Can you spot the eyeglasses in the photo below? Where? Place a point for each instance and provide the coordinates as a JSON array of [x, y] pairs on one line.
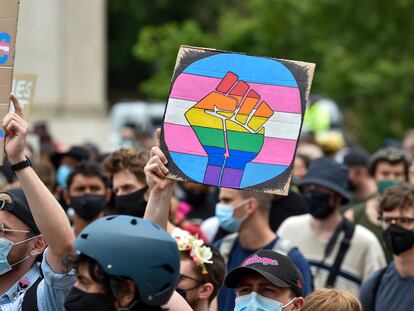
[[401, 221], [183, 276], [3, 229]]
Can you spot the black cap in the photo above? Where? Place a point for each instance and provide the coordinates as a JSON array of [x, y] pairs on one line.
[[76, 152], [330, 174], [274, 267], [19, 208], [356, 157]]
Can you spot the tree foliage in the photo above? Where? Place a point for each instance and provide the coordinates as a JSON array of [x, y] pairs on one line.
[[363, 51]]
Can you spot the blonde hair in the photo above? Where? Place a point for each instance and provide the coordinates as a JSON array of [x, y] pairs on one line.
[[331, 300]]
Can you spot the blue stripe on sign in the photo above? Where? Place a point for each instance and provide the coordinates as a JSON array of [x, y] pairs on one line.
[[345, 275], [215, 155], [248, 68], [238, 159], [193, 166], [256, 173]]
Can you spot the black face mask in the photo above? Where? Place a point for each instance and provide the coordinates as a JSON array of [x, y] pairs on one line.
[[78, 300], [351, 186], [398, 239], [318, 203], [88, 206], [132, 204], [182, 292], [195, 199]]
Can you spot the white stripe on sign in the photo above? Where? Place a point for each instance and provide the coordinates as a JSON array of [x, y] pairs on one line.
[[282, 125], [5, 48]]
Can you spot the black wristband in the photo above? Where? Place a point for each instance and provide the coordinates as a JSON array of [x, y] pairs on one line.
[[21, 165]]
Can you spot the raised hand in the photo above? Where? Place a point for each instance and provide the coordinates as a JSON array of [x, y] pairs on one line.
[[156, 170], [230, 129], [16, 130]]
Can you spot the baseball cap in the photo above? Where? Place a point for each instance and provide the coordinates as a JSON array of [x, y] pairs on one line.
[[274, 267], [19, 207]]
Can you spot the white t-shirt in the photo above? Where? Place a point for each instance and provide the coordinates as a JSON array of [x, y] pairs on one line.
[[364, 256]]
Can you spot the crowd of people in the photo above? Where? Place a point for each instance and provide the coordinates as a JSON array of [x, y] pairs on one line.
[[84, 230]]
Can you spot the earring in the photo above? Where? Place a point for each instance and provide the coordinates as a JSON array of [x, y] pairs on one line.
[[33, 253]]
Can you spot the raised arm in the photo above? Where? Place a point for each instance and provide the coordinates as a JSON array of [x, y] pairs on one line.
[[48, 214], [161, 189]]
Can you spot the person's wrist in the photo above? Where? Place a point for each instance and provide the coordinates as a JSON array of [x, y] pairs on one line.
[[162, 191], [17, 159]]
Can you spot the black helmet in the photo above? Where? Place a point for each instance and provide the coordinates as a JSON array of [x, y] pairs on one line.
[[135, 248]]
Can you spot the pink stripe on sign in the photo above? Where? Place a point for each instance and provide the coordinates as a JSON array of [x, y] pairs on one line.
[[276, 151], [279, 98], [180, 138], [6, 44]]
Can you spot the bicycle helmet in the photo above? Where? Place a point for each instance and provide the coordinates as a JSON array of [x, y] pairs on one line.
[[136, 248]]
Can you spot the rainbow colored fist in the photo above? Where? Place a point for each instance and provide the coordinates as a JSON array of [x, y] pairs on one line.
[[230, 129]]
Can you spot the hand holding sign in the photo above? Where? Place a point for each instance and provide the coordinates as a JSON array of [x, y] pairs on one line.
[[229, 129]]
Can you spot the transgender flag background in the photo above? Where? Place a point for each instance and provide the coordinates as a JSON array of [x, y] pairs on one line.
[[277, 137]]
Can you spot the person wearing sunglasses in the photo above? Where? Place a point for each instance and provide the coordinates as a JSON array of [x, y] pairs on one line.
[[391, 288], [32, 223], [202, 271]]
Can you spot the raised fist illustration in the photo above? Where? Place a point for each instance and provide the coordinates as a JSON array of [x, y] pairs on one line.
[[230, 127]]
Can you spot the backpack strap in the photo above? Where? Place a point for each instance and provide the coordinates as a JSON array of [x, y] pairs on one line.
[[376, 286], [30, 297], [348, 228], [227, 245], [283, 246]]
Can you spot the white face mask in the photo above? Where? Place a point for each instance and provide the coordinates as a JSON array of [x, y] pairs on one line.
[[256, 302], [5, 248]]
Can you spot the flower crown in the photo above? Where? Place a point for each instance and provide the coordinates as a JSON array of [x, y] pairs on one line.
[[199, 253]]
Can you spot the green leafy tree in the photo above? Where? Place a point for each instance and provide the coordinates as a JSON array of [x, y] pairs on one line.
[[363, 51]]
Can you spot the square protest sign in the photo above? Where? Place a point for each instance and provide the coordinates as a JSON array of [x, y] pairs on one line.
[[9, 11], [233, 120]]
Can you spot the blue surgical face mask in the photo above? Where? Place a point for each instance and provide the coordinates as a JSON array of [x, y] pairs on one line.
[[5, 247], [224, 213], [256, 302], [62, 175]]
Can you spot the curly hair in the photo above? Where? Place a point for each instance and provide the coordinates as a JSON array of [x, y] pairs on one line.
[[331, 300], [397, 197], [127, 159]]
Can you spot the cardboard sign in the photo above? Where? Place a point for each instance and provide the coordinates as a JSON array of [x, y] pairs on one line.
[[24, 86], [233, 120], [9, 11]]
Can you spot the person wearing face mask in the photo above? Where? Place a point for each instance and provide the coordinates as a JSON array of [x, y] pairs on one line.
[[341, 254], [64, 163], [125, 263], [391, 288], [30, 220], [126, 170], [266, 281], [87, 194], [246, 214], [388, 167], [202, 271]]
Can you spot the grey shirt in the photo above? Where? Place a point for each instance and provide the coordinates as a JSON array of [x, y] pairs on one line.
[[393, 293]]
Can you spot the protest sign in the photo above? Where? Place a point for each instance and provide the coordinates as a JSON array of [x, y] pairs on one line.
[[9, 11], [233, 120], [24, 86]]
